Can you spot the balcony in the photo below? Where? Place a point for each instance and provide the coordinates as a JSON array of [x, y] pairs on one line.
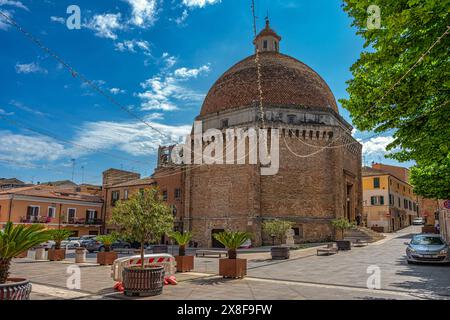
[[35, 219], [83, 221]]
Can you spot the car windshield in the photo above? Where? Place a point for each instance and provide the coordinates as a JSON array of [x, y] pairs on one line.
[[423, 240]]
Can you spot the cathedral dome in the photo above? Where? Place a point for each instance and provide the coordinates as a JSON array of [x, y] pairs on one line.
[[285, 81]]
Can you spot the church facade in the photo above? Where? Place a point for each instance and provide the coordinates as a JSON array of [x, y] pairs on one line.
[[319, 172]]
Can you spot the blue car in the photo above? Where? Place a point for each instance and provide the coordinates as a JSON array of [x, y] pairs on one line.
[[427, 248]]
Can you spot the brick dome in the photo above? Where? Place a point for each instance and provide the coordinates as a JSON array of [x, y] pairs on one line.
[[285, 82]]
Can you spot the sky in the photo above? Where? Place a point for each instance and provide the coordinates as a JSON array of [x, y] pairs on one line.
[[151, 59]]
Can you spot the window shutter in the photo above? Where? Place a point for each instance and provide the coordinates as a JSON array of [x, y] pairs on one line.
[[372, 200], [381, 200]]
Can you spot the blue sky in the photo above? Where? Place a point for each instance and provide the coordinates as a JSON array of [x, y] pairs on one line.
[[157, 58]]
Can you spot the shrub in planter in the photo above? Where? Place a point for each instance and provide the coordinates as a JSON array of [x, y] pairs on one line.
[[232, 267], [343, 224], [106, 257], [277, 229], [13, 241], [184, 263], [58, 235], [144, 218]]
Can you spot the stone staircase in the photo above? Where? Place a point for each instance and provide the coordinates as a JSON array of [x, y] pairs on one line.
[[362, 233]]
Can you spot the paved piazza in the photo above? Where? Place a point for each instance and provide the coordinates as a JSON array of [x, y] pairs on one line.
[[304, 276]]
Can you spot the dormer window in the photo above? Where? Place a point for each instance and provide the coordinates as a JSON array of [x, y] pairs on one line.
[[265, 44]]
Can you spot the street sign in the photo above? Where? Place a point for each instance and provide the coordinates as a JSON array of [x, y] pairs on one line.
[[447, 204]]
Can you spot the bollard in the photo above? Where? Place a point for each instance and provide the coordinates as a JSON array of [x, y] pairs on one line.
[[39, 254], [80, 255]]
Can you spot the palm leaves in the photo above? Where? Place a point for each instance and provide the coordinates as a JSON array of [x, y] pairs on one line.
[[17, 239], [107, 240], [232, 241], [182, 239], [59, 235]]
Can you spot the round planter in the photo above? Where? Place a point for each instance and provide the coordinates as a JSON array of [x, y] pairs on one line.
[[15, 289], [80, 255], [143, 282], [280, 253], [343, 245]]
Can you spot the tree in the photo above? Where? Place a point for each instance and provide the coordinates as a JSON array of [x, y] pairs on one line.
[[342, 224], [144, 217], [402, 83], [17, 239], [59, 235], [107, 240], [232, 240], [277, 228], [182, 239]]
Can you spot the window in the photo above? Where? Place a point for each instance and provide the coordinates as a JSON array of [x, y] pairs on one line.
[[414, 207], [71, 215], [391, 199], [224, 123], [291, 118], [33, 211], [296, 231], [377, 200], [265, 44], [114, 197], [399, 203], [178, 194], [376, 183], [91, 216], [275, 44], [125, 194], [381, 200], [405, 203], [164, 195], [410, 205], [51, 212], [373, 200]]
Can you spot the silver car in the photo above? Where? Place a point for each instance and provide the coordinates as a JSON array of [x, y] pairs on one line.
[[427, 248]]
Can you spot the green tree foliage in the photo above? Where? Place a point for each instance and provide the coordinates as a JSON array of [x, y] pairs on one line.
[[277, 228], [144, 217], [342, 224], [402, 82], [17, 239], [232, 240], [182, 239], [107, 240]]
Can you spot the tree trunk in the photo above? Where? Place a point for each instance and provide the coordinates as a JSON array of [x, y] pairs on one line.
[[232, 254], [182, 250], [142, 254], [4, 269]]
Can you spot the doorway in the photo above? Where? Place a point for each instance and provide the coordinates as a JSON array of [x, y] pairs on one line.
[[214, 242]]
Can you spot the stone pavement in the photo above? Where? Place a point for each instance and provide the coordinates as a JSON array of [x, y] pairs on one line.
[[304, 276]]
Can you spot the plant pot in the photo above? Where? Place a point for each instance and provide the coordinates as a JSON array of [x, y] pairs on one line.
[[106, 258], [56, 254], [15, 289], [343, 245], [233, 268], [143, 282], [280, 253], [22, 255], [184, 263]]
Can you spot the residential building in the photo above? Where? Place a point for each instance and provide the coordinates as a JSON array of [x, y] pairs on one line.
[[52, 206], [9, 183], [388, 201]]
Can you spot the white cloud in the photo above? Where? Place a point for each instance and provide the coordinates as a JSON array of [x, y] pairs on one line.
[[376, 146], [17, 4], [186, 73], [4, 25], [30, 68], [164, 92], [169, 60], [199, 3], [181, 19], [106, 25], [5, 113], [28, 149], [58, 19], [133, 46], [144, 12], [134, 138], [116, 91], [21, 106]]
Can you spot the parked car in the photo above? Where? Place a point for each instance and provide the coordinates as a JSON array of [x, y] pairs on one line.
[[70, 244], [93, 245], [427, 248], [50, 244], [246, 245], [419, 221]]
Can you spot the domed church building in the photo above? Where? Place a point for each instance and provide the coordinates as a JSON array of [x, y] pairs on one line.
[[319, 174]]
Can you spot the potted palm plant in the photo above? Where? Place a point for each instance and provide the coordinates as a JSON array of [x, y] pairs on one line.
[[342, 224], [232, 267], [277, 229], [106, 257], [184, 263], [143, 218], [58, 235], [13, 241]]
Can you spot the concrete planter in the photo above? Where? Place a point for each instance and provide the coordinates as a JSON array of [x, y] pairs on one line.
[[143, 282], [15, 289], [56, 254], [80, 255], [184, 263], [39, 254], [106, 258], [233, 268], [280, 253], [344, 245]]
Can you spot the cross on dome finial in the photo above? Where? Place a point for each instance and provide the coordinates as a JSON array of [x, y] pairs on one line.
[[267, 40]]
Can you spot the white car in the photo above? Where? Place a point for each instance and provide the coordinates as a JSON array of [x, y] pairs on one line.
[[418, 221]]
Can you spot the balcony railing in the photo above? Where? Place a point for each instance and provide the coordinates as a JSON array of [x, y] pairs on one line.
[[84, 221], [35, 219]]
